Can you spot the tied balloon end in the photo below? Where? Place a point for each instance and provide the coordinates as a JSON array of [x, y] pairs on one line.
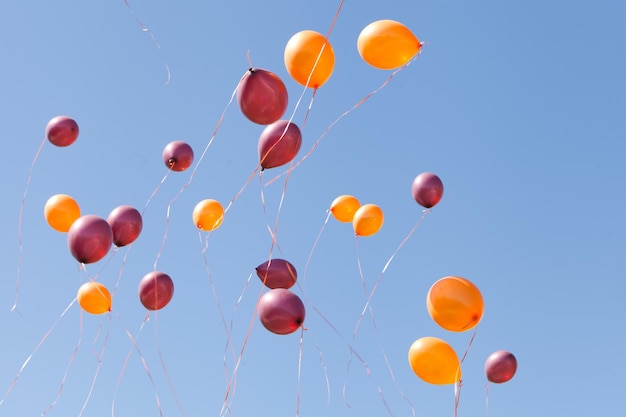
[[171, 163]]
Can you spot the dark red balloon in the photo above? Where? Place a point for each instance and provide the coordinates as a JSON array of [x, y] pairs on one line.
[[177, 155], [279, 143], [500, 366], [277, 273], [62, 131], [89, 239], [427, 189], [156, 290], [262, 96], [126, 224], [281, 311]]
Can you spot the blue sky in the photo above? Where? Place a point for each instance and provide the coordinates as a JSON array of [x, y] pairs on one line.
[[519, 108]]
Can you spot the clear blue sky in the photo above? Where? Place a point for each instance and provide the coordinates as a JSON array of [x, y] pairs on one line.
[[518, 107]]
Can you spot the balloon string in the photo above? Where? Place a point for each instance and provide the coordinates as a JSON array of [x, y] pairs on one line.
[[164, 366], [156, 189], [469, 344], [457, 396], [299, 371], [487, 399], [267, 222], [317, 239], [325, 374]]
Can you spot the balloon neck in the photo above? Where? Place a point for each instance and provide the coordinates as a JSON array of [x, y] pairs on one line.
[[171, 162]]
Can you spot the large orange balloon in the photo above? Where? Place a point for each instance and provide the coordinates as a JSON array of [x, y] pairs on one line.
[[94, 298], [61, 211], [208, 215], [455, 304], [367, 220], [309, 58], [434, 361], [344, 207], [387, 44]]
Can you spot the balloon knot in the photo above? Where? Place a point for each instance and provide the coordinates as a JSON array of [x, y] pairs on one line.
[[171, 162]]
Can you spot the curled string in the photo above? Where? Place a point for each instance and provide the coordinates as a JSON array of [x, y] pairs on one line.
[[325, 375], [164, 366]]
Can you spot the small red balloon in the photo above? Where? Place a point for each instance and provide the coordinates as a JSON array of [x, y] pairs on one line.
[[62, 131], [156, 290], [262, 96], [277, 273], [126, 224], [177, 155], [279, 143], [281, 311], [500, 366], [427, 189], [89, 239]]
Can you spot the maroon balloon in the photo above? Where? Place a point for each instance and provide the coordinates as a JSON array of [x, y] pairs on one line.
[[126, 224], [89, 239], [277, 273], [62, 131], [500, 366], [279, 143], [281, 311], [427, 189], [262, 96], [177, 155], [156, 290]]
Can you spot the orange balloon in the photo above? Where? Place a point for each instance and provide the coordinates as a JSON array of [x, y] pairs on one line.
[[434, 361], [455, 304], [208, 215], [367, 220], [61, 211], [309, 58], [94, 298], [387, 44], [344, 207]]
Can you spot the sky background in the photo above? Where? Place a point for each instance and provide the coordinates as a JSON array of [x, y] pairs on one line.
[[517, 107]]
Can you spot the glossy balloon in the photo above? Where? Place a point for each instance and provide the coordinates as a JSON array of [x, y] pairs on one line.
[[500, 366], [61, 211], [89, 238], [177, 155], [277, 273], [94, 298], [279, 143], [126, 224], [156, 290], [344, 207], [455, 304], [427, 189], [309, 58], [281, 311], [208, 215], [387, 44], [262, 96], [367, 220], [62, 131], [434, 361]]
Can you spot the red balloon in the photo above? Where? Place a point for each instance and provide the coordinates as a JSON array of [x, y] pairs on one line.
[[89, 239], [177, 155], [427, 189], [126, 224], [500, 366], [279, 143], [277, 273], [262, 96], [156, 290], [62, 131], [281, 311]]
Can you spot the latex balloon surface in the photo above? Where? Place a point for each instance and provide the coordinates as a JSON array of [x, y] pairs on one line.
[[281, 311], [208, 215], [62, 131], [500, 366], [177, 155], [262, 96], [277, 273], [434, 361], [155, 290], [309, 58], [279, 143], [61, 211], [455, 304], [427, 189], [367, 220], [344, 207], [94, 298], [89, 238], [126, 224], [387, 44]]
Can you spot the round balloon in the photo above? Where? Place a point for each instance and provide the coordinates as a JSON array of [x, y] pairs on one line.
[[279, 143], [177, 155], [281, 311], [156, 290], [262, 96], [126, 224], [208, 215], [89, 238], [309, 58], [61, 211], [94, 298], [500, 366], [427, 189], [62, 131], [344, 207], [434, 361], [277, 273], [387, 44], [367, 220], [455, 304]]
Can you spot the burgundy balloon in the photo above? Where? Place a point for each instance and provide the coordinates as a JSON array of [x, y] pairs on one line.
[[177, 155], [262, 96], [126, 224], [277, 273], [427, 189], [89, 239], [62, 131], [281, 311], [279, 143], [156, 290], [500, 366]]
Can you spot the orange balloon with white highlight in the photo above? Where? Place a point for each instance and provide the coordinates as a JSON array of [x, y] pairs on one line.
[[208, 215], [309, 58], [344, 207], [455, 304], [94, 298], [387, 44], [368, 220], [61, 211]]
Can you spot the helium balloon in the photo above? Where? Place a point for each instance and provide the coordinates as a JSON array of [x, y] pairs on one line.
[[387, 44], [367, 220], [455, 304], [155, 290], [427, 189], [309, 58], [500, 366], [61, 211], [262, 96], [281, 311], [94, 298], [126, 224], [344, 207], [208, 215], [434, 361], [89, 238], [277, 273], [177, 155], [279, 143], [62, 131]]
